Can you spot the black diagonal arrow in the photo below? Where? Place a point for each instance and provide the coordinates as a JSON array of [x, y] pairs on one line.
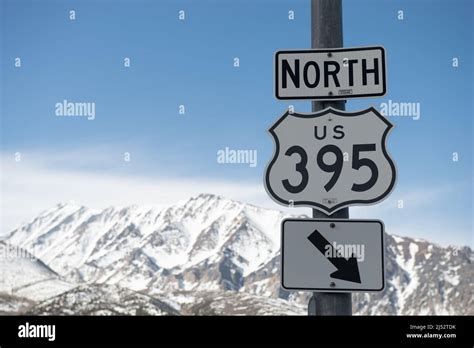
[[347, 269]]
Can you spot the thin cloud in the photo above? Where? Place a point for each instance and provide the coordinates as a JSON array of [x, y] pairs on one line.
[[30, 187]]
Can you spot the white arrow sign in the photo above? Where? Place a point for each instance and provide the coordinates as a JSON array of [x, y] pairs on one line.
[[332, 255]]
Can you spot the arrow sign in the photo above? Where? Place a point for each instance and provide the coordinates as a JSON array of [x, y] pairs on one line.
[[332, 255], [347, 269]]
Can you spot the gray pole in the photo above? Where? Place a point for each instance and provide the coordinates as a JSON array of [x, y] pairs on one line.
[[326, 32]]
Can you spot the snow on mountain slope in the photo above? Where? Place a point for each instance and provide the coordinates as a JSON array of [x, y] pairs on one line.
[[208, 244], [118, 245], [102, 300], [231, 303], [23, 275], [13, 305]]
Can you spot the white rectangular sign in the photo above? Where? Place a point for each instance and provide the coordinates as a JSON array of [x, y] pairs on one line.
[[330, 74], [332, 255]]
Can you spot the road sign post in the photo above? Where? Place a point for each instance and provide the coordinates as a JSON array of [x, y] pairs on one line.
[[326, 32], [329, 160]]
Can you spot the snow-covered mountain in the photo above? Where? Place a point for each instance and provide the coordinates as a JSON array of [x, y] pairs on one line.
[[210, 245], [141, 246], [22, 274], [102, 300]]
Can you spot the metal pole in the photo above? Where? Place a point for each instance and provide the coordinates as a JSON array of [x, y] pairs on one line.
[[326, 32]]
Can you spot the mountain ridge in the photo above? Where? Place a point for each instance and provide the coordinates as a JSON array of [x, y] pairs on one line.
[[211, 244]]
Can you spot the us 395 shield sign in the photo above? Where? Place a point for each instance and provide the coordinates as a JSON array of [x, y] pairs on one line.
[[330, 159]]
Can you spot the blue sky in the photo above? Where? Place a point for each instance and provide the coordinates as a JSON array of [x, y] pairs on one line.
[[190, 62]]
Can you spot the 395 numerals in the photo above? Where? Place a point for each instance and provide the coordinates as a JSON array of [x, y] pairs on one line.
[[335, 168]]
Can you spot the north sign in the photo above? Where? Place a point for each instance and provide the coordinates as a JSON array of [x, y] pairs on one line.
[[330, 74]]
